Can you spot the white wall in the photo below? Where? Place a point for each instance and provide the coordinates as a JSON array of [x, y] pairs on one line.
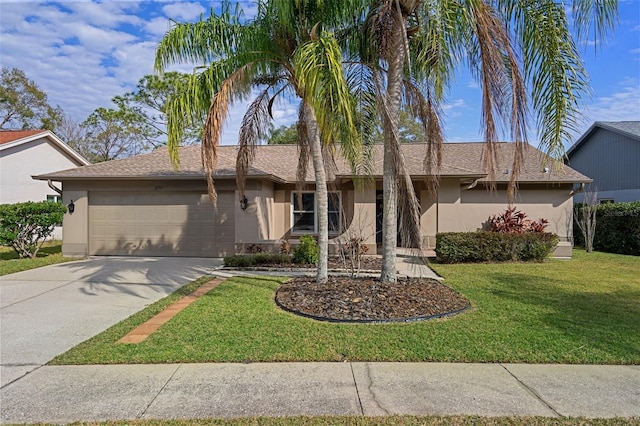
[[19, 163]]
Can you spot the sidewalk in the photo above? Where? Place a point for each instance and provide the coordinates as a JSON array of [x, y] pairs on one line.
[[123, 392]]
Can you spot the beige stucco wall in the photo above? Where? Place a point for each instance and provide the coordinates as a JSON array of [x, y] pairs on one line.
[[462, 210], [267, 219]]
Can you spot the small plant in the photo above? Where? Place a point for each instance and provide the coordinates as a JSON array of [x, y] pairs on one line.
[[254, 248], [285, 247], [514, 221], [307, 251]]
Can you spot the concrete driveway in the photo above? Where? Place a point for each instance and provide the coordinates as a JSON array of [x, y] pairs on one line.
[[46, 311]]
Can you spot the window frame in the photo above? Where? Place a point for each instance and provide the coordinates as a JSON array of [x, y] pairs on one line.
[[54, 198], [295, 210]]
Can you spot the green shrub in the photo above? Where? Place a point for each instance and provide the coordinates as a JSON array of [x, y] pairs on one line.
[[618, 228], [25, 226], [249, 260], [307, 251], [468, 247]]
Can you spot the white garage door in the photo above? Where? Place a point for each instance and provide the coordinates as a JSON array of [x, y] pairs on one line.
[[161, 224]]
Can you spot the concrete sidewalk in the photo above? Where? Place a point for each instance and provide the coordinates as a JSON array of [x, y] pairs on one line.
[[92, 393]]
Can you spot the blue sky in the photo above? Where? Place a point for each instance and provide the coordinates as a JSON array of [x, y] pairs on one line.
[[83, 53]]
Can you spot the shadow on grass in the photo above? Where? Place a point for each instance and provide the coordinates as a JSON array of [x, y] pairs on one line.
[[7, 253], [607, 321]]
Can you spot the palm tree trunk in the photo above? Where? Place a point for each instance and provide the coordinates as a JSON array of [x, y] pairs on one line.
[[322, 199], [395, 62]]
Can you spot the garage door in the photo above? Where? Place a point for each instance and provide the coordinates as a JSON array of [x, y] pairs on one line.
[[161, 224]]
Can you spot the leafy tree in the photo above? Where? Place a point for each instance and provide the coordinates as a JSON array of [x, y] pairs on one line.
[[413, 49], [149, 101], [282, 51], [284, 135], [23, 105], [113, 133], [25, 226]]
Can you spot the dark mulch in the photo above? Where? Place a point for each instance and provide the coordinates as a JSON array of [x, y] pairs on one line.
[[369, 300]]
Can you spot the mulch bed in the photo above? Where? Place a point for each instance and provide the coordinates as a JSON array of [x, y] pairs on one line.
[[345, 299]]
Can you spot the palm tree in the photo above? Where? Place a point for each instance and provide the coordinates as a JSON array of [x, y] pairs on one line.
[[413, 48], [284, 50]]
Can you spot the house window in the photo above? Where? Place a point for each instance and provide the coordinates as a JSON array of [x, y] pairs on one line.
[[305, 217], [54, 198]]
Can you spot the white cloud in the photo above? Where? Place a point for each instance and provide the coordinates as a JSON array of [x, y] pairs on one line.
[[621, 105], [183, 11], [157, 26]]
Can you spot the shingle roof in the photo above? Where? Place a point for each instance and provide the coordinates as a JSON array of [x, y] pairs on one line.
[[7, 136], [279, 163], [631, 127]]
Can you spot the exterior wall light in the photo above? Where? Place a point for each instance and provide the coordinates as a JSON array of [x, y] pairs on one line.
[[244, 202], [71, 207]]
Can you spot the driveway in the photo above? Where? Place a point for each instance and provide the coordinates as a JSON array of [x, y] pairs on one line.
[[46, 311]]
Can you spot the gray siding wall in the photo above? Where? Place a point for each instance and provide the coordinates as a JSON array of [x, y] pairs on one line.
[[612, 160]]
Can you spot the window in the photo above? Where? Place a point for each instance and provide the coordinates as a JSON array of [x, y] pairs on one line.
[[305, 214], [54, 198]]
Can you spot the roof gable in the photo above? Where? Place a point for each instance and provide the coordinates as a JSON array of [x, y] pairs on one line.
[[13, 138], [279, 163], [630, 129]]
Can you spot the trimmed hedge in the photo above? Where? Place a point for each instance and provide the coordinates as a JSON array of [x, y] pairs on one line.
[[469, 247], [617, 228], [248, 260]]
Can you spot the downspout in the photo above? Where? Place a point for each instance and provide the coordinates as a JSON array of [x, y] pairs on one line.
[[471, 185], [59, 191], [577, 190]]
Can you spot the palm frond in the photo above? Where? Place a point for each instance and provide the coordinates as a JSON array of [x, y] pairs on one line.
[[319, 77], [252, 131], [201, 42], [213, 126]]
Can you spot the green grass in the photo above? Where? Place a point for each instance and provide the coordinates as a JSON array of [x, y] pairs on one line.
[[586, 310], [384, 421], [50, 253]]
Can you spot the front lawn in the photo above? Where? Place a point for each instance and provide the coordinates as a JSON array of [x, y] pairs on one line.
[[586, 310], [49, 254]]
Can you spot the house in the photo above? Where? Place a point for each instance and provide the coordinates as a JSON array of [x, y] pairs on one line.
[[609, 153], [24, 153], [142, 206]]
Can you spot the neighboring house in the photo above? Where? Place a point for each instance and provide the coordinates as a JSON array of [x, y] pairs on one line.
[[25, 153], [609, 153], [142, 206]]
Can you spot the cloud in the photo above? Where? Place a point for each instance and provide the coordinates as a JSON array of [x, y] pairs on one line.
[[183, 11], [621, 105]]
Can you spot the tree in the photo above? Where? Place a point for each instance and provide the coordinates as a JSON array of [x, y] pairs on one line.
[[111, 134], [25, 226], [283, 135], [283, 51], [149, 101], [23, 105], [414, 47], [584, 214]]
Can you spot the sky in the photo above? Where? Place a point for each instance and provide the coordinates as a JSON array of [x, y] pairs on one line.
[[83, 53]]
